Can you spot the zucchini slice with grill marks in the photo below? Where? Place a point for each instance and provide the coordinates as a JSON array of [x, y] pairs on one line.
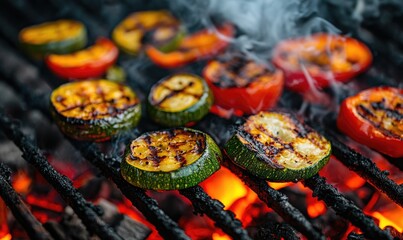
[[276, 146], [179, 99], [158, 28], [94, 110], [170, 159], [59, 37]]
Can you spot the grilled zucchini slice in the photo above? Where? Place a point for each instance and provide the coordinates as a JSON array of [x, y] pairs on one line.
[[94, 110], [278, 147], [179, 99], [158, 28], [170, 159], [59, 37]]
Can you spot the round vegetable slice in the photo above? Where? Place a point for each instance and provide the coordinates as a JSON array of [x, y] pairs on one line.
[[243, 84], [322, 57], [94, 110], [158, 28], [179, 99], [88, 63], [200, 45], [170, 159], [374, 117], [61, 37], [278, 147]]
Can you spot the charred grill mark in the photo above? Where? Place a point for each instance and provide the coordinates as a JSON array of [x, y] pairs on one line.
[[83, 106], [175, 92], [391, 113], [153, 152], [234, 73], [260, 149], [180, 158], [301, 130], [112, 109], [368, 113], [365, 112], [200, 143], [290, 147]]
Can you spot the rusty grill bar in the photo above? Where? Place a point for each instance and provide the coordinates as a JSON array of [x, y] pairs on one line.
[[201, 201]]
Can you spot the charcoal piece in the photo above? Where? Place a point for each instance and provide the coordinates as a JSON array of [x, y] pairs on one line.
[[72, 226], [129, 229], [55, 230], [126, 227], [273, 230]]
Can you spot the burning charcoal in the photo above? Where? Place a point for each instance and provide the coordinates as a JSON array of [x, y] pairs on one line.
[[126, 227], [73, 227], [55, 230], [169, 200], [272, 230]]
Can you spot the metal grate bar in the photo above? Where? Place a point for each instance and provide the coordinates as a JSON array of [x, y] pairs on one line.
[[21, 212], [225, 220], [366, 169], [344, 207]]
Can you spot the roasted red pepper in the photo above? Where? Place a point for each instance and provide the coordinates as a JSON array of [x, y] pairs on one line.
[[374, 117], [243, 84], [200, 45], [323, 58], [88, 63]]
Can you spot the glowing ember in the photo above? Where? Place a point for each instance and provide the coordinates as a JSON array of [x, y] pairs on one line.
[[127, 208], [315, 208], [21, 182], [392, 218], [4, 232], [226, 187]]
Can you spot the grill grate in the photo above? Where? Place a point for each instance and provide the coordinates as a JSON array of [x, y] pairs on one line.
[[63, 185], [24, 85]]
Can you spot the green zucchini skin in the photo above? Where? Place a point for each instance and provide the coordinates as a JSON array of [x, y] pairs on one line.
[[61, 47], [248, 160], [97, 130], [178, 119], [185, 177]]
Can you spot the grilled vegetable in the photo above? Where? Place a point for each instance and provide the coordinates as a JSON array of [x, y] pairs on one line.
[[374, 117], [277, 147], [158, 28], [94, 110], [201, 45], [115, 74], [61, 36], [242, 84], [88, 63], [179, 99], [170, 159], [323, 57]]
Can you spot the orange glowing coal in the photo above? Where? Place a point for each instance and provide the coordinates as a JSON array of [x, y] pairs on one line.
[[21, 182], [4, 232]]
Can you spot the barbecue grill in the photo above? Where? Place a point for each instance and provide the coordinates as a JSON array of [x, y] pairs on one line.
[[32, 83]]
